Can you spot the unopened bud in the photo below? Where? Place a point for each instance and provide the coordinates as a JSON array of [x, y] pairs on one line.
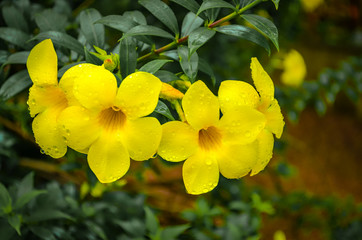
[[170, 93]]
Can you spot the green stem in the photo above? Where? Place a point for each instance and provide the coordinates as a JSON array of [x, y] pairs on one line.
[[179, 110], [211, 25]]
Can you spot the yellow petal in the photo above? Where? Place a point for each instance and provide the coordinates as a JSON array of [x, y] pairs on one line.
[[201, 106], [200, 172], [95, 88], [79, 126], [236, 161], [179, 141], [66, 83], [275, 122], [42, 64], [142, 137], [108, 158], [242, 126], [47, 133], [43, 97], [294, 69], [262, 81], [233, 94], [265, 143], [138, 94]]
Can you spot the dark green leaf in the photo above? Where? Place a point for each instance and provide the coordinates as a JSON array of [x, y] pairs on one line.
[[15, 222], [154, 65], [90, 58], [170, 233], [14, 36], [245, 33], [276, 3], [199, 37], [191, 5], [18, 58], [27, 197], [136, 16], [5, 200], [244, 3], [189, 63], [26, 185], [96, 229], [42, 233], [171, 54], [162, 12], [94, 33], [61, 39], [15, 84], [265, 26], [14, 18], [152, 224], [133, 227], [128, 56], [206, 68], [117, 22], [162, 109], [45, 215], [141, 30], [190, 23], [49, 20], [3, 56], [166, 76], [212, 13], [214, 4]]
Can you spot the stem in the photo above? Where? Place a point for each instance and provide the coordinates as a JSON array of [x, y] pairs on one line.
[[179, 110], [211, 25]]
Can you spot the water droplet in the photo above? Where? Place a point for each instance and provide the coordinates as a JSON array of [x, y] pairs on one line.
[[42, 151], [208, 162]]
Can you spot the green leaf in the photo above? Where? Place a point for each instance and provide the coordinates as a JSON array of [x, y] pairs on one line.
[[27, 197], [42, 233], [245, 33], [18, 58], [170, 233], [276, 3], [15, 222], [162, 109], [15, 84], [190, 5], [214, 4], [14, 18], [136, 16], [5, 200], [3, 56], [166, 76], [96, 229], [162, 12], [189, 63], [141, 30], [190, 23], [14, 36], [199, 37], [171, 54], [117, 22], [45, 215], [90, 58], [206, 68], [94, 33], [152, 224], [49, 20], [154, 66], [26, 185], [134, 227], [61, 39], [128, 56], [265, 26]]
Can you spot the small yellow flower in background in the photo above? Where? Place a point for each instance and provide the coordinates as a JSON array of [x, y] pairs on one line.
[[311, 5], [294, 69], [210, 144], [109, 124], [279, 235], [237, 95]]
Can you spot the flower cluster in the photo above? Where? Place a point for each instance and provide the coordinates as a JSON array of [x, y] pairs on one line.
[[86, 111]]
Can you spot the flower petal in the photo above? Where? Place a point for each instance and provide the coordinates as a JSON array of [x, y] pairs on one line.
[[262, 81], [42, 64], [233, 94], [179, 141], [200, 172], [79, 126], [138, 94], [142, 137], [236, 160], [47, 134], [275, 122], [265, 143], [108, 158], [242, 126], [95, 88], [201, 106]]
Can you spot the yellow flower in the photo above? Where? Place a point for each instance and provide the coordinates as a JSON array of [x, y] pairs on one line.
[[211, 144], [311, 5], [109, 123], [47, 98], [294, 69], [236, 95]]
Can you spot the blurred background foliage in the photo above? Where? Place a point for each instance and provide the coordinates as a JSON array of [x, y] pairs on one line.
[[310, 190]]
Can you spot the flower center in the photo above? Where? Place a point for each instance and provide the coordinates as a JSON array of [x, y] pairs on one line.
[[112, 118], [209, 138]]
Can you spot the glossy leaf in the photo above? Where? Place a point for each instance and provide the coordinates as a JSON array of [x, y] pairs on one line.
[[190, 23], [61, 39], [276, 3], [141, 30], [189, 63], [171, 54], [209, 4], [15, 84], [128, 56], [18, 58], [166, 76], [14, 36], [199, 37], [94, 33], [90, 58], [117, 22], [49, 20], [154, 66], [136, 16], [265, 26], [190, 5], [245, 33], [14, 18], [162, 12], [162, 109], [206, 68], [15, 222]]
